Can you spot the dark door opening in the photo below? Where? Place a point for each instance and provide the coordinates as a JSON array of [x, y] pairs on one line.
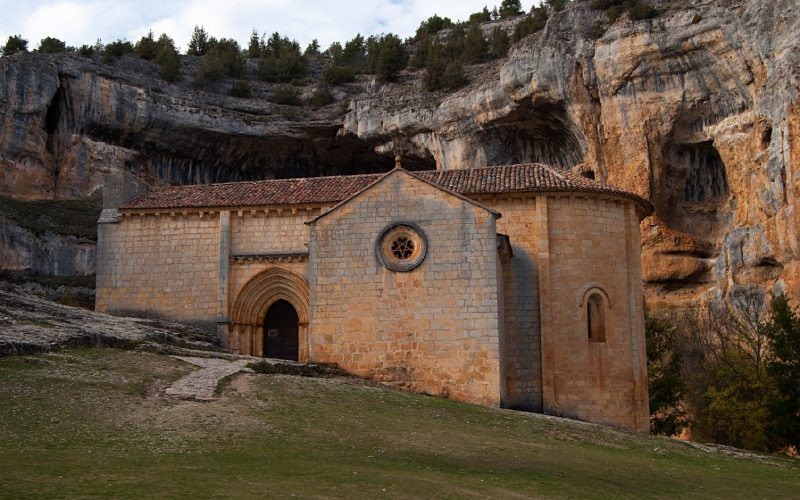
[[281, 331]]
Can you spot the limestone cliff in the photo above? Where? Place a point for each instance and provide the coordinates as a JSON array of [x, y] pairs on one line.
[[696, 110]]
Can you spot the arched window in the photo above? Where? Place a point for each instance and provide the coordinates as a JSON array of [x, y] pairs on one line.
[[596, 318]]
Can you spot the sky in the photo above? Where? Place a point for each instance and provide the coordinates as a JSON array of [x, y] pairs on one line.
[[80, 22]]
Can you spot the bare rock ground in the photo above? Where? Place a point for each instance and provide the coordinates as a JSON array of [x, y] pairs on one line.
[[31, 324]]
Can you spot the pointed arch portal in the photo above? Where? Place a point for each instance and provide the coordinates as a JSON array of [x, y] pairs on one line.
[[263, 313]]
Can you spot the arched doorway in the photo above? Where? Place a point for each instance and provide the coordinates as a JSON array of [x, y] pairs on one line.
[[248, 313], [281, 331]]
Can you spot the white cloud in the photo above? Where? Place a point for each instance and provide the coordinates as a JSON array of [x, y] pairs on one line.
[[83, 21]]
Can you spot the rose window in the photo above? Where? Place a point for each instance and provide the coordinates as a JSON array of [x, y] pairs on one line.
[[401, 247]]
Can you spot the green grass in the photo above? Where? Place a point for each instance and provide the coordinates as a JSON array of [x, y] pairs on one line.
[[94, 422], [66, 217]]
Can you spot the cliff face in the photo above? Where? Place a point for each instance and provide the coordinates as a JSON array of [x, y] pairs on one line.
[[697, 110]]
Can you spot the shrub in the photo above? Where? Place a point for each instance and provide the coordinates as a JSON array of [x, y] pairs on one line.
[[50, 45], [86, 50], [286, 94], [557, 5], [322, 96], [432, 25], [453, 75], [536, 21], [337, 75], [241, 88], [116, 49], [223, 58], [639, 11], [281, 60], [613, 13], [146, 47], [67, 298], [15, 44], [636, 9], [482, 16], [500, 42]]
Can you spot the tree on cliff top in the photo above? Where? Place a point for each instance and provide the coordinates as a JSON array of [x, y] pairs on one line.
[[223, 57], [386, 56], [167, 59], [50, 45], [15, 44], [199, 43], [146, 48], [510, 8]]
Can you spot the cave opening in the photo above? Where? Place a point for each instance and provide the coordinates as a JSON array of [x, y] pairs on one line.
[[536, 131], [201, 156], [53, 112], [705, 178], [690, 191]]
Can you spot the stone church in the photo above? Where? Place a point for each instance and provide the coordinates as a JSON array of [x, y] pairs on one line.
[[517, 286]]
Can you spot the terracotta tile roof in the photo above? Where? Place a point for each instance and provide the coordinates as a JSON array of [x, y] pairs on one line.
[[521, 178]]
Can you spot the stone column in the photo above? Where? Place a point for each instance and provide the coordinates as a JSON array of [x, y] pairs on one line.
[[223, 277], [641, 420], [545, 307]]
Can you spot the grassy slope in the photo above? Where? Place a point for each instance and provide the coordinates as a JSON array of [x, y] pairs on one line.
[[93, 422], [67, 217]]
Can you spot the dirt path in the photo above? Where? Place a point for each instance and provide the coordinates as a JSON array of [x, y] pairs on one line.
[[202, 383]]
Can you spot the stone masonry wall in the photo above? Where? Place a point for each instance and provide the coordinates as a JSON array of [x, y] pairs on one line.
[[270, 233], [590, 245], [162, 265], [521, 303], [434, 329]]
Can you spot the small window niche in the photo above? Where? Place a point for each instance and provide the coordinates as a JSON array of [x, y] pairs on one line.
[[596, 318]]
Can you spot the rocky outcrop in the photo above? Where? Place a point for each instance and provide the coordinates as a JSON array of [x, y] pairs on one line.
[[697, 110], [32, 324], [50, 253]]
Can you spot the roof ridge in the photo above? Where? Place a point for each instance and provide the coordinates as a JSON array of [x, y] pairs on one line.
[[259, 181]]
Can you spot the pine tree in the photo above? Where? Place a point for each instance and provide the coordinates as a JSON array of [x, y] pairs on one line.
[[145, 48], [666, 385], [312, 49], [50, 45], [453, 75], [199, 43], [222, 58], [483, 16], [254, 47], [435, 66], [475, 45], [500, 42], [390, 58], [510, 8], [116, 49], [783, 330], [167, 59], [15, 44]]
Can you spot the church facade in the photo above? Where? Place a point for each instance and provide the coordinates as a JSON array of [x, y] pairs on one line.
[[517, 286]]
